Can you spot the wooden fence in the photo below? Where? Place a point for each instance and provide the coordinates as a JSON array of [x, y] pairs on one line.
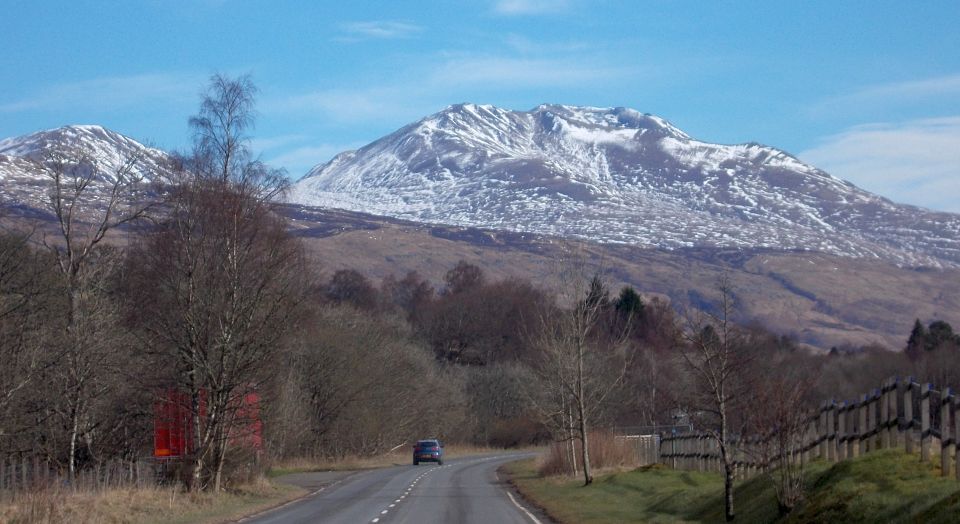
[[900, 414], [19, 474]]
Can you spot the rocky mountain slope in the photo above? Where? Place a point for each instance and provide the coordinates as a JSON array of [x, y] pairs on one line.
[[25, 184], [838, 297], [616, 175]]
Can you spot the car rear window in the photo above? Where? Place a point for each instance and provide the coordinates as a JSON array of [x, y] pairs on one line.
[[426, 443]]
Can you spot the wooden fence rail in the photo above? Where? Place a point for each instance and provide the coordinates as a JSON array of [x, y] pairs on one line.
[[24, 473], [899, 414]]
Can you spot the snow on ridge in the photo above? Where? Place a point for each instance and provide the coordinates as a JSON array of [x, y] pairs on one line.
[[618, 175]]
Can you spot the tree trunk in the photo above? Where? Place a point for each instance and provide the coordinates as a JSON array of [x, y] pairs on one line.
[[195, 483], [585, 448], [74, 429], [582, 415], [221, 458], [727, 466]]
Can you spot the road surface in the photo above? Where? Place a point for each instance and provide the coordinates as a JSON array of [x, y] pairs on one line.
[[464, 490]]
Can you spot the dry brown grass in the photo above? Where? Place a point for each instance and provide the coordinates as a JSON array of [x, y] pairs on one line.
[[606, 453], [400, 457], [143, 504]]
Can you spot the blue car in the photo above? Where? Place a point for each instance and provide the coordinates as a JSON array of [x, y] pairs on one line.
[[428, 451]]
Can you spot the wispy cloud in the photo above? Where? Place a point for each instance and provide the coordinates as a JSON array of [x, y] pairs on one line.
[[916, 162], [530, 7], [300, 160], [263, 144], [352, 105], [377, 29], [436, 83], [109, 93], [893, 93], [523, 72]]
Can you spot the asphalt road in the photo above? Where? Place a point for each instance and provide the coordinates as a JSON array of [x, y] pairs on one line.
[[463, 490]]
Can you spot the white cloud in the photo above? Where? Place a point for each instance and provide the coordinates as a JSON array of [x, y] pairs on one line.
[[261, 144], [378, 29], [300, 160], [894, 93], [530, 7], [352, 105], [522, 72], [110, 93], [432, 85], [916, 162]]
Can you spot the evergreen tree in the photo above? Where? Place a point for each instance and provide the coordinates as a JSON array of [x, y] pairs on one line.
[[598, 294], [629, 303], [939, 333], [917, 342]]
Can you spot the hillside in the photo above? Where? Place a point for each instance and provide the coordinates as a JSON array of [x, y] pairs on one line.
[[824, 300], [887, 486], [615, 175]]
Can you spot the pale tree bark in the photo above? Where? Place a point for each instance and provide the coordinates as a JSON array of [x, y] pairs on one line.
[[225, 278], [88, 201], [580, 365], [717, 354]]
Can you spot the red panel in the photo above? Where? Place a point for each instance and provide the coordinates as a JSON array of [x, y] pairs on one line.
[[172, 428]]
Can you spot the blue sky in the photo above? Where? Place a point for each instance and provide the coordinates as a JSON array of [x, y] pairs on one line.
[[868, 90]]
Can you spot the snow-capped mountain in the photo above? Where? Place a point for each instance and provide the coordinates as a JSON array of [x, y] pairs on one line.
[[617, 175], [24, 182]]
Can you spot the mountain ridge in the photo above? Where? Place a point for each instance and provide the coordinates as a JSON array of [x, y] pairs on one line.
[[619, 175]]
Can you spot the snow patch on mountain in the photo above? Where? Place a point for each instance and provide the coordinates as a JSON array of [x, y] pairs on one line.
[[24, 181], [618, 175]]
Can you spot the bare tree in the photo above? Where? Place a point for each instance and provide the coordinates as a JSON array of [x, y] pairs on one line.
[[223, 275], [24, 284], [777, 420], [717, 354], [579, 365], [88, 200]]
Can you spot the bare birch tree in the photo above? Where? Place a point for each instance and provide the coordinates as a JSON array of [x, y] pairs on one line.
[[579, 365], [777, 420], [23, 288], [717, 354], [223, 275], [88, 200]]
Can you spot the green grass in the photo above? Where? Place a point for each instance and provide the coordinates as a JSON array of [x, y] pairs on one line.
[[887, 486]]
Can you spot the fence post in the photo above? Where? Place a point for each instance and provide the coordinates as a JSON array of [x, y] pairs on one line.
[[831, 432], [673, 452], [822, 431], [885, 415], [872, 425], [956, 433], [864, 438], [894, 417], [842, 431], [946, 442], [853, 438], [704, 446], [908, 415], [925, 423]]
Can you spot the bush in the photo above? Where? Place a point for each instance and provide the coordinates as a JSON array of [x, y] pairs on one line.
[[606, 451]]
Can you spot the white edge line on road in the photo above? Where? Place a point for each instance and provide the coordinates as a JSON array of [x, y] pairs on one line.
[[515, 503], [294, 501]]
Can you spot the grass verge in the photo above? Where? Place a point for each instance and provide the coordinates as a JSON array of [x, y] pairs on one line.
[[144, 505], [886, 486]]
